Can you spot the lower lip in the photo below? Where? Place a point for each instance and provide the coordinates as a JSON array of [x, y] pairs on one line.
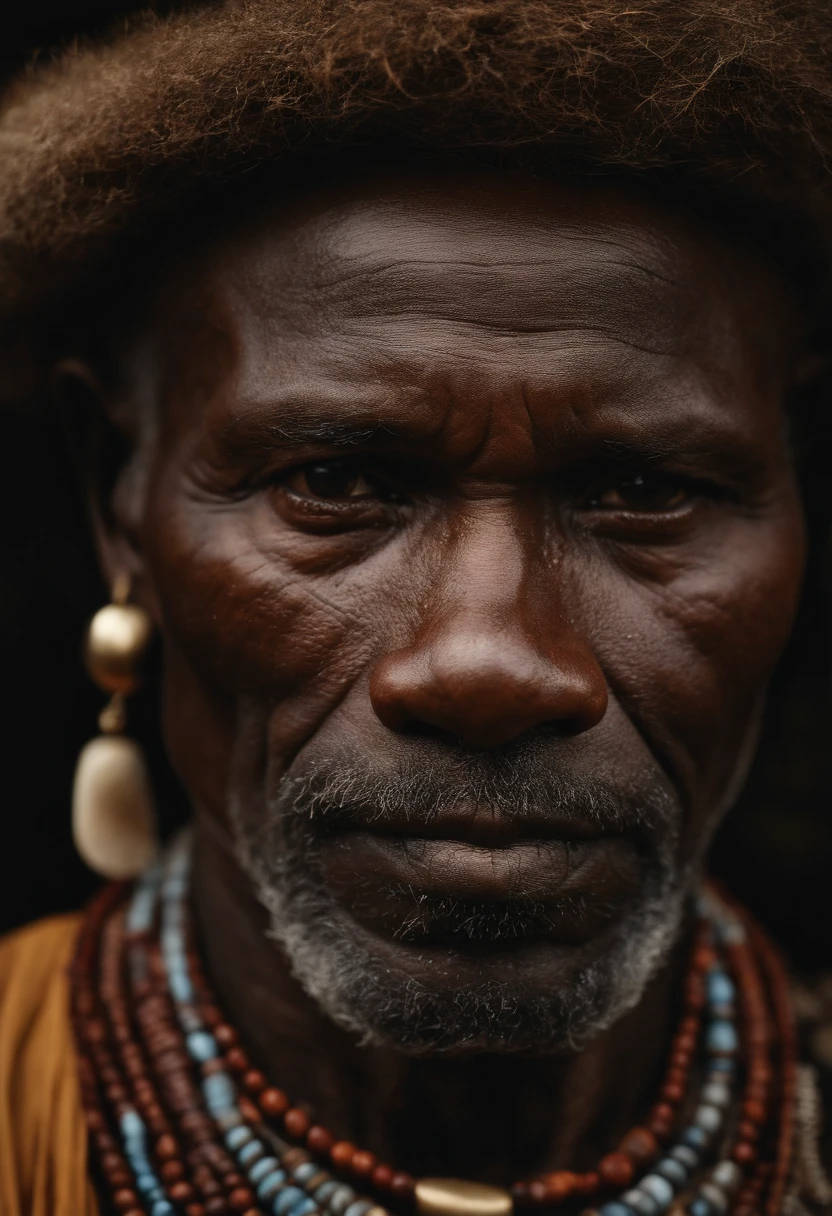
[[604, 870]]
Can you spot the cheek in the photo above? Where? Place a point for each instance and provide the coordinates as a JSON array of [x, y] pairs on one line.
[[696, 647], [244, 626]]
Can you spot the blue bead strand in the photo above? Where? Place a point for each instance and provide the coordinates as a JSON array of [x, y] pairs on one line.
[[284, 1191]]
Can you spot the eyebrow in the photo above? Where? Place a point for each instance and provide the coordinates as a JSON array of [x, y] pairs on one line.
[[331, 433], [687, 441]]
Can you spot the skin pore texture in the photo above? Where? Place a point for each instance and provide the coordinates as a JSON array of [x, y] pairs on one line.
[[465, 509]]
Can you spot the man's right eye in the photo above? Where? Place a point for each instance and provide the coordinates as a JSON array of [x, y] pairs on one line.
[[330, 480]]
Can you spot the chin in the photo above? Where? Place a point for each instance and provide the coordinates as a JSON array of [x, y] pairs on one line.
[[503, 996]]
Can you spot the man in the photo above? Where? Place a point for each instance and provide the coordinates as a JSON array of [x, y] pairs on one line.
[[458, 487]]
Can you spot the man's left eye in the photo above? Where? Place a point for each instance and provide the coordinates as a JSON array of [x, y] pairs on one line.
[[642, 492], [330, 479]]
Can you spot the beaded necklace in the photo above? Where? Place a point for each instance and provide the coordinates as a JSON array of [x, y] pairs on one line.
[[181, 1124]]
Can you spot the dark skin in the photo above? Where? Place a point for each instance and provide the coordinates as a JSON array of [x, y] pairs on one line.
[[428, 466]]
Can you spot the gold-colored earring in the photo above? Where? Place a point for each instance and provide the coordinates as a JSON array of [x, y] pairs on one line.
[[113, 813]]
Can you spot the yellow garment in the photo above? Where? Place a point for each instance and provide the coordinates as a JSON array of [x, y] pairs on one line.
[[43, 1138]]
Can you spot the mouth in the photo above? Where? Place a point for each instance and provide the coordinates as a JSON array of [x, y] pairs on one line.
[[478, 881]]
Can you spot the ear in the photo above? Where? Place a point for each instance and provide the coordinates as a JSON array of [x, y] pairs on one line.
[[105, 440]]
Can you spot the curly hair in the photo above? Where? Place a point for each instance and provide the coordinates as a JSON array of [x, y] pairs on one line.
[[725, 95]]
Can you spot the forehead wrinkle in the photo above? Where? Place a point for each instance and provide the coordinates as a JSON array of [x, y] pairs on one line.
[[376, 263], [622, 302]]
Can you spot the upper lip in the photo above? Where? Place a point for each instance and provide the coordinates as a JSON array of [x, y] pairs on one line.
[[481, 827]]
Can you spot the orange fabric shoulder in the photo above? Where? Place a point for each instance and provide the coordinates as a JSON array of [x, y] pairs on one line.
[[43, 1142]]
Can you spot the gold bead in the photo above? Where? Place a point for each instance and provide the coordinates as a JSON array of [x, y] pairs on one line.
[[457, 1197], [117, 638]]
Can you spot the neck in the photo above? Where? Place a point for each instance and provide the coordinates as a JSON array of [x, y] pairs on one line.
[[495, 1117]]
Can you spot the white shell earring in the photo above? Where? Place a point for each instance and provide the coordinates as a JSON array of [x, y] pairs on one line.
[[113, 815]]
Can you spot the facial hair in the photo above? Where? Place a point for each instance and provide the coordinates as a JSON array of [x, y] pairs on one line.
[[333, 959]]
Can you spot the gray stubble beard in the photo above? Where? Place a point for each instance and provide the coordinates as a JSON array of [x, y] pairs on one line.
[[331, 956]]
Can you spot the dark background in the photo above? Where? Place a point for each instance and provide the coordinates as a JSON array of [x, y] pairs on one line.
[[775, 849]]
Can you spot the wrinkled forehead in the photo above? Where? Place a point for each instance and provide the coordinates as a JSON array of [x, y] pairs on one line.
[[487, 250], [481, 259], [516, 274]]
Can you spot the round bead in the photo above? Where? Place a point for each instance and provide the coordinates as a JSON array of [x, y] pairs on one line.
[[363, 1163], [744, 1153], [657, 1188], [262, 1168], [661, 1126], [250, 1153], [616, 1169], [318, 1139], [305, 1172], [727, 1175], [225, 1035], [125, 1199], [360, 1208], [721, 1038], [287, 1200], [273, 1102], [537, 1190], [709, 1118], [673, 1171], [559, 1185], [117, 637], [755, 1112], [715, 1197], [237, 1137], [716, 1094], [640, 1144], [304, 1208], [254, 1081], [296, 1122], [166, 1148], [240, 1199], [236, 1059], [703, 958], [248, 1110], [382, 1177], [700, 1207], [685, 1155], [616, 1208], [342, 1154], [401, 1185], [694, 1137], [641, 1203], [721, 990], [201, 1045], [323, 1192], [341, 1199], [268, 1187], [181, 1192]]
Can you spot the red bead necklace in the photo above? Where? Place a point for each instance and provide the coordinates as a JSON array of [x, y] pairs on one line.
[[132, 1056]]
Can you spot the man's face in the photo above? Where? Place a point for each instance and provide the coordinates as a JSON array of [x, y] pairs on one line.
[[467, 513]]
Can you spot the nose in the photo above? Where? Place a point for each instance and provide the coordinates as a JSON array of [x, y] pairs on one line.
[[486, 689], [494, 660]]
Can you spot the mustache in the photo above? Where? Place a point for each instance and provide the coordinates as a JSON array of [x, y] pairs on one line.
[[522, 786]]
